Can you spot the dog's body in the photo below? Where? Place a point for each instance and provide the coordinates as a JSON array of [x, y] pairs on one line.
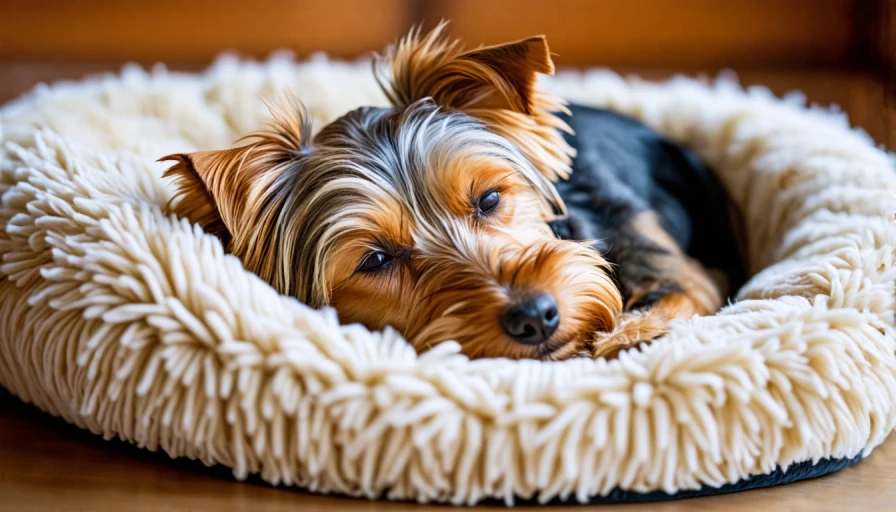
[[438, 216], [633, 191]]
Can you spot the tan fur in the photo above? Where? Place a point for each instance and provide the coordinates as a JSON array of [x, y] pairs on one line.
[[454, 272], [702, 289], [231, 192], [495, 84], [458, 289], [701, 294], [632, 329]]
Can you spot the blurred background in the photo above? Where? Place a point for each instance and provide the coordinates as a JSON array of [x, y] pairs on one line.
[[836, 51]]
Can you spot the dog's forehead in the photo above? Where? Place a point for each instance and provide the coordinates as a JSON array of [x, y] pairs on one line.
[[414, 156], [401, 144], [394, 172]]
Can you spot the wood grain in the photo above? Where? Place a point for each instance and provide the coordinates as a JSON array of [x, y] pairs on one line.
[[884, 62], [46, 465], [706, 34], [195, 30]]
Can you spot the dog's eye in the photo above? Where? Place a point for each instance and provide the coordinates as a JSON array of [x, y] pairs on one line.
[[488, 202], [375, 261]]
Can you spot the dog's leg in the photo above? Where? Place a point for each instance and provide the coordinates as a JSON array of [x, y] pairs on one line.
[[658, 277], [632, 329], [659, 283]]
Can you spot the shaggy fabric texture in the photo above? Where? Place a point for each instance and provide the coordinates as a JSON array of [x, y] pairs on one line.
[[131, 323]]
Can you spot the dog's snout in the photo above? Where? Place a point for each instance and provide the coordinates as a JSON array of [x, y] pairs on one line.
[[532, 320]]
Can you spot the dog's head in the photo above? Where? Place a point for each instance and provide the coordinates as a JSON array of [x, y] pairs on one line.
[[430, 216]]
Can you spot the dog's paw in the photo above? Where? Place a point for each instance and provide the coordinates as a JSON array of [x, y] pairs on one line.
[[631, 330]]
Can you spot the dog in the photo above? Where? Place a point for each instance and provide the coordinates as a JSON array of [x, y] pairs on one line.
[[462, 212]]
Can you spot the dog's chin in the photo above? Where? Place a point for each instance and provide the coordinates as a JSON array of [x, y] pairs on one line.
[[481, 338], [557, 350], [560, 347], [571, 340]]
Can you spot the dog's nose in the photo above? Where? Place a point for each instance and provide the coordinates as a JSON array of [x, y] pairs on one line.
[[532, 320]]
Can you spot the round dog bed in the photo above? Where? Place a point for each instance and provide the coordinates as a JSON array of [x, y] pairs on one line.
[[129, 322]]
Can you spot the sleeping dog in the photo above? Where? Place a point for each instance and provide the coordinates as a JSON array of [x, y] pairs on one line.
[[476, 208]]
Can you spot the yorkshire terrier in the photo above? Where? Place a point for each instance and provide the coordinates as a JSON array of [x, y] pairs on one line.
[[462, 213]]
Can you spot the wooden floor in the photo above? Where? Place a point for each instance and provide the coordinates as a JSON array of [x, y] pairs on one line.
[[46, 465]]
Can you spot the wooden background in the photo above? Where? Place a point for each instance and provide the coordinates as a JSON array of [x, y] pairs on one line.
[[690, 33], [704, 34], [836, 51]]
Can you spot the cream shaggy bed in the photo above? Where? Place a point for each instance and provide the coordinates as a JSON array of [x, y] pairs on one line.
[[128, 322]]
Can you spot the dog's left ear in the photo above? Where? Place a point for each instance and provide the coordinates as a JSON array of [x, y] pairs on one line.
[[495, 84], [237, 194]]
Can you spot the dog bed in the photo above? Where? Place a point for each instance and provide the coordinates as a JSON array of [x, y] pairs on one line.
[[129, 322]]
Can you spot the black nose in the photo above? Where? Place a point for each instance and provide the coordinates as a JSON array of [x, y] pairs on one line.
[[532, 320]]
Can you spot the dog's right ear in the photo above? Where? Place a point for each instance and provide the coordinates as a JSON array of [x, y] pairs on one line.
[[231, 193]]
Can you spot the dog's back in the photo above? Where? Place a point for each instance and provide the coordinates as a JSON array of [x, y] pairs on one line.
[[623, 169]]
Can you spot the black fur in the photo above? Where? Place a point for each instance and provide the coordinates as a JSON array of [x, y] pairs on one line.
[[624, 168]]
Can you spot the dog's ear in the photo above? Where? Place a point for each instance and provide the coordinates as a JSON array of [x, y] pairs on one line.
[[201, 194], [495, 84], [432, 66], [229, 192]]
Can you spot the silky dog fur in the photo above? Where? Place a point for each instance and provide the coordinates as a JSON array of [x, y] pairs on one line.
[[440, 216]]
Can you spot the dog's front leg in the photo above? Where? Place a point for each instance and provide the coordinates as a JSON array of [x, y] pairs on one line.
[[659, 284]]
